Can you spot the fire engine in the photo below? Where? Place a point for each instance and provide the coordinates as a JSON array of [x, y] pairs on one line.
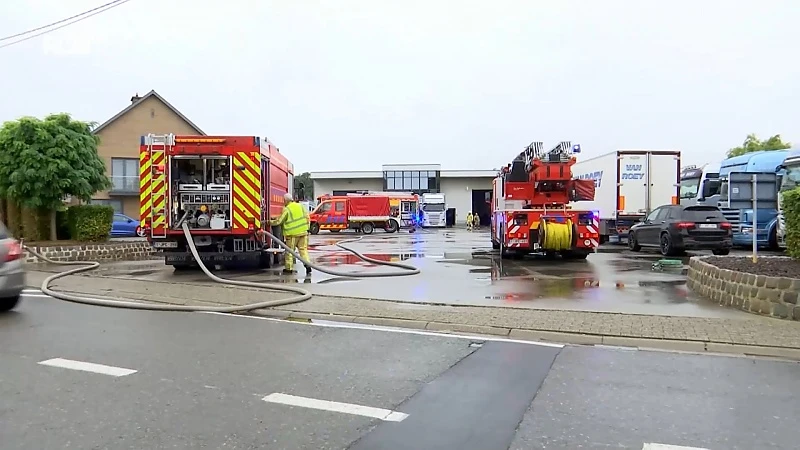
[[225, 188], [531, 211]]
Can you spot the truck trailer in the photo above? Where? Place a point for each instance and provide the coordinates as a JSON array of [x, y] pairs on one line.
[[629, 184], [225, 188]]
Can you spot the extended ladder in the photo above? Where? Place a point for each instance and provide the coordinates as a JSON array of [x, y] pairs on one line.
[[157, 147]]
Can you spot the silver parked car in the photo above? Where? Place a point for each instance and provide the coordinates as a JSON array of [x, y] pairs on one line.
[[12, 270]]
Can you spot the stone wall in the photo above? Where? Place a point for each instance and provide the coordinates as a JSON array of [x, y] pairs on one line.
[[773, 296], [107, 251]]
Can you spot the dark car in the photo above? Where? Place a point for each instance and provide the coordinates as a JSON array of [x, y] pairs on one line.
[[674, 229]]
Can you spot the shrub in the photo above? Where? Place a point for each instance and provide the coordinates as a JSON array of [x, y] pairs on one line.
[[791, 211], [89, 223]]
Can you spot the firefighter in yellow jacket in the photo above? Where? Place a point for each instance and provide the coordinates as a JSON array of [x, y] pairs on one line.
[[295, 222]]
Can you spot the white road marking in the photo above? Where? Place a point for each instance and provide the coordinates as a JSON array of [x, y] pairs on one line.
[[669, 447], [345, 408], [392, 330], [88, 367]]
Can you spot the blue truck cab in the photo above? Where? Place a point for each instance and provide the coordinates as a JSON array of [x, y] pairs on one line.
[[741, 220], [789, 180]]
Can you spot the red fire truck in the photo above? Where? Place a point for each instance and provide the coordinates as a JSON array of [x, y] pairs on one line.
[[360, 212], [530, 205], [224, 187]]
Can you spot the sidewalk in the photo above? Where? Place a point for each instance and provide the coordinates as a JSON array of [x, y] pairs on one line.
[[754, 335]]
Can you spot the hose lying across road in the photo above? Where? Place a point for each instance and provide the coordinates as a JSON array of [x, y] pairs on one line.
[[301, 295]]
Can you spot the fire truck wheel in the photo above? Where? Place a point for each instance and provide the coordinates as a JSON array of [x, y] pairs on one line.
[[392, 227], [265, 260], [314, 228], [367, 228], [495, 245], [575, 255]]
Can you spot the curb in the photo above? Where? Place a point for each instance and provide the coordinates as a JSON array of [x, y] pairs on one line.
[[555, 337]]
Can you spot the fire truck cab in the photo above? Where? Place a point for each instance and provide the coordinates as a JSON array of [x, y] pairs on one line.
[[530, 206]]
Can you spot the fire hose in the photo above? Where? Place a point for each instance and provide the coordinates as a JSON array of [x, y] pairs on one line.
[[300, 295], [556, 236]]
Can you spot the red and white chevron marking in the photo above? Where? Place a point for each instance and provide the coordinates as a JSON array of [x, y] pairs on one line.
[[511, 227]]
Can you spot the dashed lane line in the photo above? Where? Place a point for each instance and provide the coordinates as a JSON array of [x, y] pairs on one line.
[[344, 408], [88, 367]]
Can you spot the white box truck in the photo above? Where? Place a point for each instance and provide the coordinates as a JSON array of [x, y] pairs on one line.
[[629, 184], [434, 210]]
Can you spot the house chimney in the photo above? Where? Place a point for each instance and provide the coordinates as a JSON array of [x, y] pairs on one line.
[[135, 98]]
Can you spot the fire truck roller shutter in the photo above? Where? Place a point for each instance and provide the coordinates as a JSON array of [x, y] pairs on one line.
[[246, 190], [554, 236]]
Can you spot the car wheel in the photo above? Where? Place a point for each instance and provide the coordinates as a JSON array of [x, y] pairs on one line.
[[633, 244], [667, 249], [721, 251], [8, 303]]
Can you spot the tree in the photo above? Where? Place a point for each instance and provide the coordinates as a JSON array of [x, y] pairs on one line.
[[307, 191], [43, 161], [753, 144]]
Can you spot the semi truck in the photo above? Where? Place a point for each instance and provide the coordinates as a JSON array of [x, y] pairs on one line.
[[225, 188], [790, 179], [434, 211], [629, 184], [700, 185], [741, 219], [360, 212]]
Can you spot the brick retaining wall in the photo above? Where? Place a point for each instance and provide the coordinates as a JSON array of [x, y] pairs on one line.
[[772, 296], [107, 251]]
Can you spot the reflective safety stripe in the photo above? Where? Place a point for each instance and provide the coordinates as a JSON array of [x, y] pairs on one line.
[[296, 222]]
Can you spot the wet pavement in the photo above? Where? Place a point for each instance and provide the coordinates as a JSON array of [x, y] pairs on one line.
[[459, 268]]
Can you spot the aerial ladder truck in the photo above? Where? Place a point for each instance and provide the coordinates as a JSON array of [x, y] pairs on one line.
[[531, 211]]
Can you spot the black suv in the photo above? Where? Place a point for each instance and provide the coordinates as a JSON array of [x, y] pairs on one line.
[[674, 229]]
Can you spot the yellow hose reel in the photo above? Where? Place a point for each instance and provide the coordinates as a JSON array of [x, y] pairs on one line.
[[554, 236]]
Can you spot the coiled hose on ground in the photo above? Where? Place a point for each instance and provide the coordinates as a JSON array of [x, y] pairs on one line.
[[301, 295]]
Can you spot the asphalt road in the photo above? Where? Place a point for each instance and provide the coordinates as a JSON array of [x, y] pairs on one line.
[[190, 381]]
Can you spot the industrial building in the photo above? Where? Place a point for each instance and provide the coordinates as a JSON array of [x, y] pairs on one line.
[[464, 190]]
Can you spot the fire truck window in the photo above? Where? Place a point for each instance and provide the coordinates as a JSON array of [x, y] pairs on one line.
[[339, 206], [325, 207]]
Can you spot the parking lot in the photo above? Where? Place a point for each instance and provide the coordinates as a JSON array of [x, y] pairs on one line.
[[458, 267]]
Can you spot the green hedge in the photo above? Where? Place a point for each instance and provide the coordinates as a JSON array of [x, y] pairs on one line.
[[791, 211], [89, 223]]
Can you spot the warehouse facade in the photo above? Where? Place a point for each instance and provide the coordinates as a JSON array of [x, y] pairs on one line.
[[464, 190]]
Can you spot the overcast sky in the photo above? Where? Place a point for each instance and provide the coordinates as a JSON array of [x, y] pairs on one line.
[[354, 84]]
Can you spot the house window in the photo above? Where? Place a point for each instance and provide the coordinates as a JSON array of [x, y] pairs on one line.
[[124, 175], [116, 204]]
